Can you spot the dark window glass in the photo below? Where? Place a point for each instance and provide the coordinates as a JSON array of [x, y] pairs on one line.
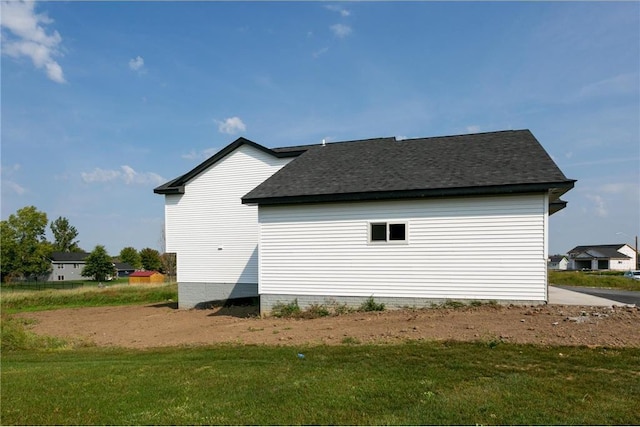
[[397, 232], [379, 232]]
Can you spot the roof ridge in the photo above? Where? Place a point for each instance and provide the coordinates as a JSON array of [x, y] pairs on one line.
[[467, 134], [290, 147]]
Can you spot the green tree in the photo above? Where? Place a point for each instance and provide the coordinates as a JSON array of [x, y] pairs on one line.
[[131, 256], [99, 265], [64, 235], [25, 250], [150, 259]]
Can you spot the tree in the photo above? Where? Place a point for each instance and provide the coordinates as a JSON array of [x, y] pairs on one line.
[[25, 250], [64, 235], [150, 259], [131, 256], [169, 265], [99, 265]]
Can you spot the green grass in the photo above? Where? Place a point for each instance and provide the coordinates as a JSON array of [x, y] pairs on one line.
[[87, 297], [412, 383], [593, 280]]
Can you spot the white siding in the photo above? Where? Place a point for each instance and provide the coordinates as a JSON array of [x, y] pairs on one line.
[[464, 248], [213, 234], [624, 264]]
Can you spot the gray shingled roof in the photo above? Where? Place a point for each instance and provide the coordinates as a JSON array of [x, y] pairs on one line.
[[599, 251], [384, 168], [69, 256]]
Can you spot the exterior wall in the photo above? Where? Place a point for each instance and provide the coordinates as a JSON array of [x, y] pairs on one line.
[[64, 271], [625, 264], [563, 264], [198, 294], [485, 248], [215, 236]]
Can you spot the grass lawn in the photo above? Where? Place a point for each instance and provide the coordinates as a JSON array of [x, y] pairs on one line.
[[52, 382], [413, 383], [119, 294], [593, 280]]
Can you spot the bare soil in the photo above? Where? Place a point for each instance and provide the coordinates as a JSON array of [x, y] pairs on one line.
[[164, 325]]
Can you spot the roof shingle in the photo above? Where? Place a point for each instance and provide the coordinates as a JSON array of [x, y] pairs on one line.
[[485, 163]]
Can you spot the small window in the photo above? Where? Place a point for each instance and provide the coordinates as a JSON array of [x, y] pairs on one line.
[[397, 232], [379, 232], [388, 232]]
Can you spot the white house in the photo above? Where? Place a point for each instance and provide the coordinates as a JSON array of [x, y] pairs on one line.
[[215, 236], [620, 257], [408, 222], [558, 262]]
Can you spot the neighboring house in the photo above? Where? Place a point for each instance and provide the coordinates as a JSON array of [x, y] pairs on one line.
[[620, 257], [67, 266], [408, 222], [558, 262], [145, 277], [124, 269]]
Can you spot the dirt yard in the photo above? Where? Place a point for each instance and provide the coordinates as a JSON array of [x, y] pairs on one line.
[[163, 325]]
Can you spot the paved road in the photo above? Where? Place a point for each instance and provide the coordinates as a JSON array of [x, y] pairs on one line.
[[626, 297]]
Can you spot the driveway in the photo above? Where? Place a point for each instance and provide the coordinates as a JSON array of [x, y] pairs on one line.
[[624, 297]]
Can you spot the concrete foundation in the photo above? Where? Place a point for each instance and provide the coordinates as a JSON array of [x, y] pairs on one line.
[[198, 295]]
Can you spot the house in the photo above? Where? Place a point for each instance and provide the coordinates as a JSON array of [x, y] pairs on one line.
[[67, 266], [145, 277], [408, 222], [558, 262], [123, 269], [620, 257]]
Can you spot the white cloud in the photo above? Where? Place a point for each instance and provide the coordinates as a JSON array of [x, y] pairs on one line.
[[341, 30], [617, 85], [320, 52], [343, 12], [231, 126], [125, 174], [8, 184], [600, 208], [14, 187], [29, 38], [473, 129], [136, 63], [204, 154]]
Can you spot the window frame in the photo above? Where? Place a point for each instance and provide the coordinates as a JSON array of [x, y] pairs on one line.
[[387, 224]]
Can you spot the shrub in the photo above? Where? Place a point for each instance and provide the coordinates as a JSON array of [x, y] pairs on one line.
[[316, 310], [371, 305], [291, 309]]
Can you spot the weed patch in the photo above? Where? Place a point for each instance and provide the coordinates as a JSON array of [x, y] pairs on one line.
[[371, 305]]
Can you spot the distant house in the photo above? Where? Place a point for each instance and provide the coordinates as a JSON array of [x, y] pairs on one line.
[[124, 269], [558, 262], [620, 257], [67, 266], [145, 277], [408, 222]]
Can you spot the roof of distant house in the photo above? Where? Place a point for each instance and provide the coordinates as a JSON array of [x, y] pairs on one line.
[[69, 256], [123, 266], [387, 168], [600, 251]]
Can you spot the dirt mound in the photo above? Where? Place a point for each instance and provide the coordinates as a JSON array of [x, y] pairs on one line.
[[164, 325]]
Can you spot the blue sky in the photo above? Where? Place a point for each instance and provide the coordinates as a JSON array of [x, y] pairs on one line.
[[103, 101]]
